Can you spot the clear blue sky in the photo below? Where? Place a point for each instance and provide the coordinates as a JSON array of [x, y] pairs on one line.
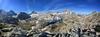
[[79, 6]]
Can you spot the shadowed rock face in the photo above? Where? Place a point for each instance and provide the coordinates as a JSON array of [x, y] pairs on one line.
[[6, 17], [3, 14], [23, 16], [10, 20], [11, 13], [97, 28]]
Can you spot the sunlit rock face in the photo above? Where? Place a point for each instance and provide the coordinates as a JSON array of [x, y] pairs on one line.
[[68, 12], [34, 15]]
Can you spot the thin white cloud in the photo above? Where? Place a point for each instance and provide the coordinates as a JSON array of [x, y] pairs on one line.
[[47, 7]]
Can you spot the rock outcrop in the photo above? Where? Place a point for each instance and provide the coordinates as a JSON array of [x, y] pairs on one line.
[[10, 20], [11, 13], [23, 16]]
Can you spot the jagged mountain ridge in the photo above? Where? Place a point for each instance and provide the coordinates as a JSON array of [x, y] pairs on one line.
[[65, 24]]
